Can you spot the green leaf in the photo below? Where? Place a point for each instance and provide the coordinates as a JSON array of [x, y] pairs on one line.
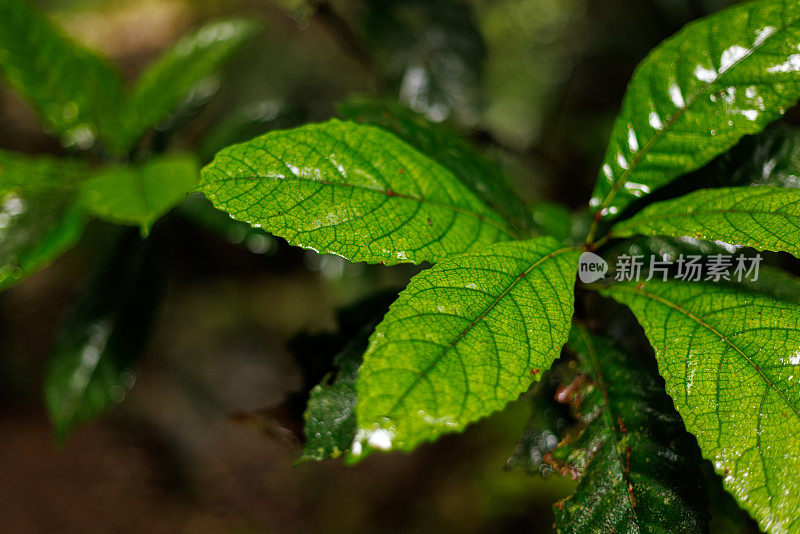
[[729, 356], [762, 217], [354, 190], [140, 195], [697, 94], [639, 469], [92, 366], [194, 59], [76, 92], [462, 340], [330, 418], [483, 176], [39, 218]]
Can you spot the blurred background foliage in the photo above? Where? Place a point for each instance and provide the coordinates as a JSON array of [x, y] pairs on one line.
[[207, 439]]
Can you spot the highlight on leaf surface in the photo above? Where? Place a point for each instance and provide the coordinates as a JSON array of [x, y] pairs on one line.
[[729, 354], [695, 95], [762, 217], [639, 469], [354, 190], [462, 340]]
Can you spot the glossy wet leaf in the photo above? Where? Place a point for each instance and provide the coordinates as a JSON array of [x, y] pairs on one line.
[[639, 469], [696, 94], [762, 217], [354, 190], [729, 356], [39, 216], [175, 74], [92, 365], [462, 340], [483, 176], [77, 93], [140, 195]]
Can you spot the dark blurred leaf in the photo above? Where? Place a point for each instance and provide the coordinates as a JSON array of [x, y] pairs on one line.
[[140, 195], [39, 217], [433, 50], [102, 338], [178, 72], [480, 174], [77, 93], [639, 469], [552, 219], [247, 122]]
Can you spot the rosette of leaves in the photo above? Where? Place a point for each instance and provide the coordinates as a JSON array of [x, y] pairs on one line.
[[472, 332]]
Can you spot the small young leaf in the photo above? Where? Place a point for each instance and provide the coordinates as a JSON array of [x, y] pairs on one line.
[[639, 469], [39, 217], [729, 356], [91, 367], [700, 91], [178, 71], [354, 190], [465, 337], [762, 217], [76, 92], [483, 176], [140, 195]]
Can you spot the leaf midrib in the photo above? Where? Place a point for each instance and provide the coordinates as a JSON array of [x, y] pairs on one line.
[[422, 374], [609, 421], [690, 101], [482, 218], [677, 307]]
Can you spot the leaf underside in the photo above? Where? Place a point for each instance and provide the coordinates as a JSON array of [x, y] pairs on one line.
[[465, 337]]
